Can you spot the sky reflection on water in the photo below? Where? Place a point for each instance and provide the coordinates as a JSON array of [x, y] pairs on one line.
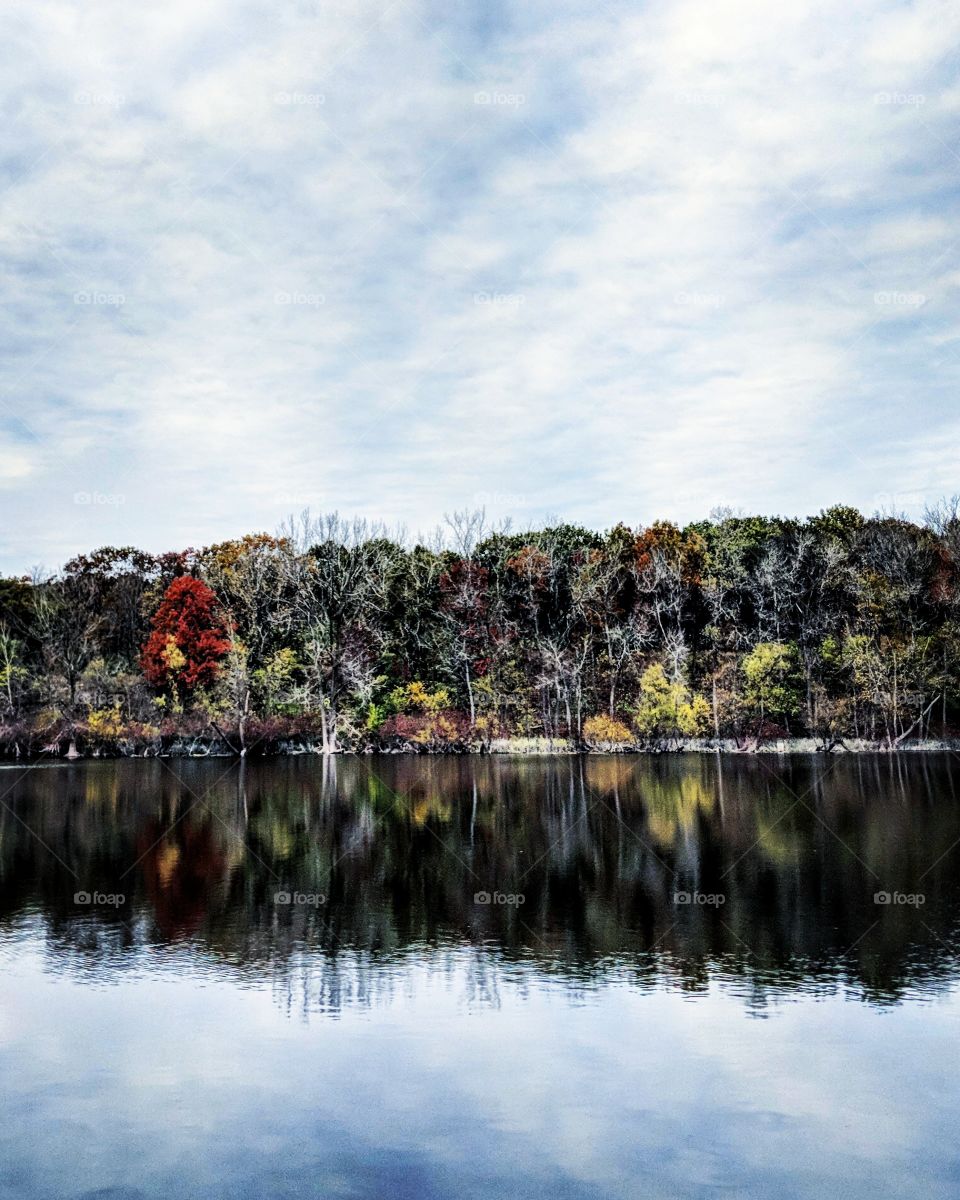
[[400, 1040]]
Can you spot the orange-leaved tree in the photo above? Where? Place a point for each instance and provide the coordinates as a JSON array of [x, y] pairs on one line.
[[188, 640]]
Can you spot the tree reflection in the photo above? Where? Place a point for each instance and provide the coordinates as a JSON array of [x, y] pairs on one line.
[[394, 852]]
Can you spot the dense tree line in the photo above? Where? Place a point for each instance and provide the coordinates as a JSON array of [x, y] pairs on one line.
[[332, 633]]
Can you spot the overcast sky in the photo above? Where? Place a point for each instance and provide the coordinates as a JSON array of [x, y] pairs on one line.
[[607, 261]]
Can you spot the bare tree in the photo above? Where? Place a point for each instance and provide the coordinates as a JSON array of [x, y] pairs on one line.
[[69, 619], [338, 584]]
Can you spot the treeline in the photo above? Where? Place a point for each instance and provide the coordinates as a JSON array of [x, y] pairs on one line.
[[335, 636]]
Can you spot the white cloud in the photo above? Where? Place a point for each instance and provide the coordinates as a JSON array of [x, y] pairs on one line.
[[638, 279]]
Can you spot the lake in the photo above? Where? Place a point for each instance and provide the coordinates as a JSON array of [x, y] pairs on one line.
[[677, 976]]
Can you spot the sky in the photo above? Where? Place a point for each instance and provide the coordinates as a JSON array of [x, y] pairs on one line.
[[597, 261]]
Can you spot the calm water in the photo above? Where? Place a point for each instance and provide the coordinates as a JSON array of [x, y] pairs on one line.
[[287, 983]]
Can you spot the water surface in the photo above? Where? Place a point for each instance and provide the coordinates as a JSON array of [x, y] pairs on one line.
[[673, 976]]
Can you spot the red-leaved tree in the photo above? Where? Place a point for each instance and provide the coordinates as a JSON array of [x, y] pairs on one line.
[[188, 641]]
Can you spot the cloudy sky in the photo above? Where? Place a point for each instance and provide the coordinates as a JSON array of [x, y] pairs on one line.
[[395, 257]]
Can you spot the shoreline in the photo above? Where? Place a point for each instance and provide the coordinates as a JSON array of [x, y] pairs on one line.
[[504, 747]]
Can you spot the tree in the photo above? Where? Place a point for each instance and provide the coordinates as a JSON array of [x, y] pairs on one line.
[[119, 580], [897, 680], [251, 579], [465, 606], [339, 573], [771, 677], [669, 571], [668, 708], [13, 674], [548, 582], [608, 595], [188, 641], [852, 622], [69, 620]]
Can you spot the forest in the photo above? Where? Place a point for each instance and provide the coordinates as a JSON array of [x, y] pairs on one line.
[[334, 635]]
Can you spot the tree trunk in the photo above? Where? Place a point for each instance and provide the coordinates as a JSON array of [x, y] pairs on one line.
[[473, 714], [919, 721], [943, 718], [242, 724]]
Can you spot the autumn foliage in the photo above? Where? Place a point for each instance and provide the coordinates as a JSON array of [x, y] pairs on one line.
[[333, 636], [187, 640]]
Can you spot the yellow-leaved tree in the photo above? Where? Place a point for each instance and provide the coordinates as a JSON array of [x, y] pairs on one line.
[[668, 709]]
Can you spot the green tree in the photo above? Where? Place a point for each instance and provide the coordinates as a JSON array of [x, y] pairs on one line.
[[772, 680]]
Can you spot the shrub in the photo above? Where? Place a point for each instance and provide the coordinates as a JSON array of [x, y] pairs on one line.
[[414, 698], [105, 724], [444, 730], [603, 730]]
